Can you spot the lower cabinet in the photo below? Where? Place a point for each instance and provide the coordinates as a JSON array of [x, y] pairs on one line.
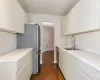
[[62, 64], [29, 68], [67, 64], [16, 65], [22, 74], [80, 75], [71, 67], [74, 69], [26, 71]]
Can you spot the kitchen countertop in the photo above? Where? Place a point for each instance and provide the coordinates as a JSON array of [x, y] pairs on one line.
[[92, 59], [14, 55]]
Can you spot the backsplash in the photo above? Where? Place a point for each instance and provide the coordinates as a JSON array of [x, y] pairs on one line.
[[88, 42], [7, 42]]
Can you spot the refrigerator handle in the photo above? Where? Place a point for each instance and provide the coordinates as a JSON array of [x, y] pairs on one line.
[[37, 39]]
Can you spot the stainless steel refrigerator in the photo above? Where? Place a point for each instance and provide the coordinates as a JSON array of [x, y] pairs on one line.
[[31, 39]]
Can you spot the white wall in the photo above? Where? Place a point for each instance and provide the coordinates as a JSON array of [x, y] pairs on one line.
[[88, 41], [38, 18], [7, 42], [48, 36]]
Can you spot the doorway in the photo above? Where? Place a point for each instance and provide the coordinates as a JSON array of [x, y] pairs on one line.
[[48, 45]]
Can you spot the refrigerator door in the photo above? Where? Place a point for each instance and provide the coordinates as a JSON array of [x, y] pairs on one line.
[[30, 39]]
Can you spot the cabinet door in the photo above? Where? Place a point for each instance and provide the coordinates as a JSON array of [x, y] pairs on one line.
[[71, 67], [87, 15], [77, 18], [90, 14], [84, 17], [12, 16], [26, 71], [22, 74], [65, 26], [80, 75], [72, 22], [61, 61], [63, 64], [29, 68], [68, 65]]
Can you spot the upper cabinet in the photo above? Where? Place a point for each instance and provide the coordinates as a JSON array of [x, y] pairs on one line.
[[84, 17], [12, 16]]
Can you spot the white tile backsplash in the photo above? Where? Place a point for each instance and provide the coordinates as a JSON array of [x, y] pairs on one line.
[[88, 41]]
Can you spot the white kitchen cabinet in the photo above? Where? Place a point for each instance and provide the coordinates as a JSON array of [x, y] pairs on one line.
[[80, 75], [72, 20], [91, 72], [12, 16], [84, 17], [71, 67], [67, 64], [90, 15], [78, 66], [26, 71], [29, 67], [22, 74], [65, 26], [63, 64], [16, 65]]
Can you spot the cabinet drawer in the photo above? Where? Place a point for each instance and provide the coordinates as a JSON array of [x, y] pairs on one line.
[[80, 75], [63, 64], [95, 75], [21, 62], [22, 74]]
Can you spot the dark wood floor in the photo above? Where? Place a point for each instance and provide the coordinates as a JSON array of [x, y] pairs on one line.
[[48, 57], [49, 70]]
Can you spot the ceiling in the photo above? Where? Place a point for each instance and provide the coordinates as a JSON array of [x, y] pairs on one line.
[[51, 7]]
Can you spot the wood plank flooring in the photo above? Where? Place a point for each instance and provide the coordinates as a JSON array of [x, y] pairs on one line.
[[48, 57], [48, 70]]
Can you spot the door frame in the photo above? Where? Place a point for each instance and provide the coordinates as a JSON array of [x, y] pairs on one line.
[[42, 41]]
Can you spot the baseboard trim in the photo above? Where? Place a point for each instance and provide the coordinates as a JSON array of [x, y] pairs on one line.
[[41, 62], [55, 61]]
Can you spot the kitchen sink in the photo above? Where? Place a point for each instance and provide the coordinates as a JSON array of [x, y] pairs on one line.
[[71, 49]]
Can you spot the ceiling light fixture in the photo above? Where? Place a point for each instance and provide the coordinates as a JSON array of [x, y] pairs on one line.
[[48, 23], [57, 10]]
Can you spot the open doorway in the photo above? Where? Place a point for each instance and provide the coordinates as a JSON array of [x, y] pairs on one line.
[[48, 45]]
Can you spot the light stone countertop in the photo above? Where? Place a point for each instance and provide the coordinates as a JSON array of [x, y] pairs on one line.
[[92, 59], [14, 55]]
